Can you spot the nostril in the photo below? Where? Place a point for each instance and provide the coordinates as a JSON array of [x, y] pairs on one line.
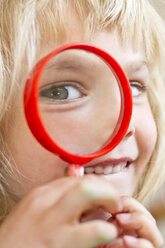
[[130, 131]]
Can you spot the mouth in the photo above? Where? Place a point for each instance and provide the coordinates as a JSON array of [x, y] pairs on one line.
[[108, 167]]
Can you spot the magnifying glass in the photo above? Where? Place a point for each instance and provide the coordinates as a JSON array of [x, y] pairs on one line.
[[78, 104]]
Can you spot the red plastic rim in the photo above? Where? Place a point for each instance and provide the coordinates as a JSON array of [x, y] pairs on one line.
[[34, 120]]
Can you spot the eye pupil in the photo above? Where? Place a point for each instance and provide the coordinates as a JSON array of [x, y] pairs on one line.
[[60, 93]]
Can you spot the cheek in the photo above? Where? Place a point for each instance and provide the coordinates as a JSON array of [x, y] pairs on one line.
[[36, 165], [146, 134]]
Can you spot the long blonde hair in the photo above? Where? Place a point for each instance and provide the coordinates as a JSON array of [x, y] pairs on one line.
[[24, 24]]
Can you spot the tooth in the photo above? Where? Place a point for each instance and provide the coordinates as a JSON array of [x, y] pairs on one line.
[[99, 170], [89, 170], [108, 170], [123, 165], [116, 169]]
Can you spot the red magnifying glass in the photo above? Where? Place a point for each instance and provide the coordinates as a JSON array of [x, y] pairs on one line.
[[78, 104]]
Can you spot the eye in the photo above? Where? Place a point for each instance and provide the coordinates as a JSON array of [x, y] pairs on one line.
[[137, 88], [61, 92]]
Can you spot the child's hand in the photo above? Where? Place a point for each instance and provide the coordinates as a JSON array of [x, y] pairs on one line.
[[48, 217], [139, 228]]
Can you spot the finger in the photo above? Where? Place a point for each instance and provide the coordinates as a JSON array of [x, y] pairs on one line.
[[113, 221], [131, 205], [132, 242], [86, 235], [143, 225], [85, 195], [55, 189], [118, 243], [47, 195]]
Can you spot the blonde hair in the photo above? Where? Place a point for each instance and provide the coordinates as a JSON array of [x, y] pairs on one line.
[[25, 24]]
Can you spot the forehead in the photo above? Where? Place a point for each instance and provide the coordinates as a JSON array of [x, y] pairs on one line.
[[62, 22], [109, 41], [125, 54]]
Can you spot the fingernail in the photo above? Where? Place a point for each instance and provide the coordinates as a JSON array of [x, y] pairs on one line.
[[129, 240], [123, 217], [118, 243], [93, 191]]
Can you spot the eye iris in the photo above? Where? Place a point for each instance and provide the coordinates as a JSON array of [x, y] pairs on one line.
[[57, 93]]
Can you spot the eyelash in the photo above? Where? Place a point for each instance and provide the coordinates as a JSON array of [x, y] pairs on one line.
[[142, 87]]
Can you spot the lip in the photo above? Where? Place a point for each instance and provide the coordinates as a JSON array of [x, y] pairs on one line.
[[111, 162]]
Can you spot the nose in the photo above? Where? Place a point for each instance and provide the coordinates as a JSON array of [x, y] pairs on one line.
[[131, 131]]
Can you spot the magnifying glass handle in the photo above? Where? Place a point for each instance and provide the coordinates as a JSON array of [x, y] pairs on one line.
[[75, 170]]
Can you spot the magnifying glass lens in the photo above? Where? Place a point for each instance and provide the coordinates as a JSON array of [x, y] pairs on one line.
[[79, 101]]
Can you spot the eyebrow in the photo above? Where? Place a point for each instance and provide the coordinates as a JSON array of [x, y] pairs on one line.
[[65, 64], [137, 66], [74, 63]]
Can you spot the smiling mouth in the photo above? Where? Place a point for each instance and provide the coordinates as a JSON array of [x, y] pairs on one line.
[[108, 167]]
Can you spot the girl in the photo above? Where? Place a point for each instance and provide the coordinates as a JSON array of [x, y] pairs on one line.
[[40, 206]]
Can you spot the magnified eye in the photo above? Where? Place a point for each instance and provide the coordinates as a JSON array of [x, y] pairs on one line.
[[61, 92]]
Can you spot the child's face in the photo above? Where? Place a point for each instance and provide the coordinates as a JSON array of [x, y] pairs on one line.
[[39, 166]]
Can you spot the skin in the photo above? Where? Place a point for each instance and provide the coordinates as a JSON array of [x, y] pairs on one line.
[[44, 219]]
